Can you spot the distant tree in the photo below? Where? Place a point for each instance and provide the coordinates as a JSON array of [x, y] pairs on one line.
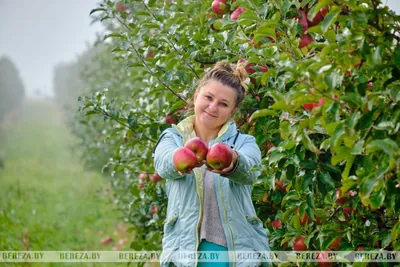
[[12, 89]]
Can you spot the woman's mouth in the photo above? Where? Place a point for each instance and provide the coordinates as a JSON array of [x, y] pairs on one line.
[[210, 114]]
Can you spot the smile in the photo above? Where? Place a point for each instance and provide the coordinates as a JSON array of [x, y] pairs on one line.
[[210, 114]]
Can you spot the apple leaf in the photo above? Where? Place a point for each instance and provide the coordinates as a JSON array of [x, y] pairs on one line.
[[263, 113], [330, 18]]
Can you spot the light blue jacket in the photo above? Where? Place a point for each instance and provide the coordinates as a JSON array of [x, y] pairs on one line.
[[243, 229]]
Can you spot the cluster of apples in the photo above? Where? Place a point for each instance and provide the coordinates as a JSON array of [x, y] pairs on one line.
[[146, 177], [195, 152], [303, 20], [220, 7]]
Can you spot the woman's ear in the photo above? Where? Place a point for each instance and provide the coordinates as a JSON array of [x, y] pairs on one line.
[[234, 111]]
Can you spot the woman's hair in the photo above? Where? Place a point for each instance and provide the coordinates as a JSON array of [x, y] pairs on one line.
[[232, 75]]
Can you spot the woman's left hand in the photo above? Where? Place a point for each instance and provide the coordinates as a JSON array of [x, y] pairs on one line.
[[228, 169]]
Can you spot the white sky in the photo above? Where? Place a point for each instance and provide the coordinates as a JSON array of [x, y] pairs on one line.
[[39, 34]]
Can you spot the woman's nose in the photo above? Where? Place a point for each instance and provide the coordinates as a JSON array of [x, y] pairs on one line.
[[213, 105]]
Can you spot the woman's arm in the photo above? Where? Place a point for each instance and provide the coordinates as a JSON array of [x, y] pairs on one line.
[[249, 155], [163, 156]]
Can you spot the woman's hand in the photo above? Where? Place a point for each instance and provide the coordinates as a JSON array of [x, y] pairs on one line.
[[231, 166], [190, 171]]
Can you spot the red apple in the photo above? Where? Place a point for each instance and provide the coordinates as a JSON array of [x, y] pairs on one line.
[[336, 244], [153, 210], [199, 148], [339, 198], [305, 40], [303, 220], [120, 7], [184, 159], [155, 178], [299, 245], [171, 119], [277, 224], [265, 198], [321, 102], [347, 212], [302, 19], [144, 177], [237, 12], [220, 6], [319, 16], [271, 145], [322, 260], [141, 186], [219, 156], [279, 184], [324, 11], [106, 240], [150, 54], [310, 106], [370, 84]]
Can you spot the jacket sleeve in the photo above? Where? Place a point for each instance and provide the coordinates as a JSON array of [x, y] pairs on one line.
[[249, 155], [163, 156]]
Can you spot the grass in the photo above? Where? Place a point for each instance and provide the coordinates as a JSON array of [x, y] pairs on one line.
[[48, 201]]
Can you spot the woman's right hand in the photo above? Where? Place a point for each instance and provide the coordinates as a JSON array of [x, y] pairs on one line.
[[190, 171]]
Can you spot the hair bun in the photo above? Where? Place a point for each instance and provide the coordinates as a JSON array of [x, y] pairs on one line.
[[240, 72]]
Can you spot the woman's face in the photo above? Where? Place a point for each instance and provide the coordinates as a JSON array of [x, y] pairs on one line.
[[214, 104]]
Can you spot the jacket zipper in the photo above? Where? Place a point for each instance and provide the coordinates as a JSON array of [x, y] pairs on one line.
[[224, 210], [226, 219], [201, 200]]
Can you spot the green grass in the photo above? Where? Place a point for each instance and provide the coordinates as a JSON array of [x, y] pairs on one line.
[[46, 194]]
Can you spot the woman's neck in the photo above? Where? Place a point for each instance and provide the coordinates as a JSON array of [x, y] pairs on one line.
[[205, 133]]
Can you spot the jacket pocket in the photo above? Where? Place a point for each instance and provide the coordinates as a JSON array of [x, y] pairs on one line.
[[170, 223], [254, 221]]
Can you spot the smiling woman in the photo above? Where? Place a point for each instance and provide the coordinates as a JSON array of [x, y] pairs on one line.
[[211, 209]]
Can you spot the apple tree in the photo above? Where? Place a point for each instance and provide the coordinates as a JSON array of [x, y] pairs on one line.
[[323, 104]]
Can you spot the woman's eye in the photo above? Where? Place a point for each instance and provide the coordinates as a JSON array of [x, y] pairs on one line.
[[224, 104], [208, 97]]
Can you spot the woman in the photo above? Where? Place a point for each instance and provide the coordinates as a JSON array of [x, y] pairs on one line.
[[210, 210]]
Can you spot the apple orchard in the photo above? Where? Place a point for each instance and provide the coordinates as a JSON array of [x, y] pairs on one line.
[[323, 105]]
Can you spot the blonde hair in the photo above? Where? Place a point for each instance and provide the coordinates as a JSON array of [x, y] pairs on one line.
[[232, 75]]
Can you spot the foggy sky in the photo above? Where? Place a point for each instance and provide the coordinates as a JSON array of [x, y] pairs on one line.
[[39, 34]]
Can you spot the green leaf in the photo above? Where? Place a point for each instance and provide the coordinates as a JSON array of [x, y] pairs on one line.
[[307, 180], [284, 129], [358, 149], [290, 172], [96, 9], [309, 143], [308, 164], [333, 79], [263, 113], [177, 105], [387, 145], [376, 199], [281, 105], [132, 121], [349, 164], [276, 197], [340, 154], [91, 112], [330, 18], [276, 156], [326, 178], [377, 57]]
